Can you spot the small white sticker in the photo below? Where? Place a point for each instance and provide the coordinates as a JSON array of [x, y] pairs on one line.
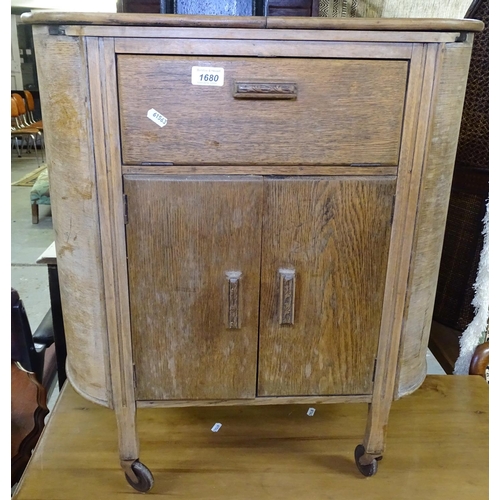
[[216, 427], [156, 117], [311, 411], [206, 75]]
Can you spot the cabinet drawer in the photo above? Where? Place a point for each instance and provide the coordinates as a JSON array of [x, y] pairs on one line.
[[332, 111]]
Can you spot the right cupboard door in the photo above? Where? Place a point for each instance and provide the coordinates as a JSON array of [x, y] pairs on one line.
[[325, 244]]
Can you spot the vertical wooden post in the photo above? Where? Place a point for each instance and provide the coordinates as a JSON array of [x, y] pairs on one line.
[[104, 110], [422, 79]]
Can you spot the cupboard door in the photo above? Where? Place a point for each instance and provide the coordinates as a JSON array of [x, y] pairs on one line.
[[194, 248], [325, 244]]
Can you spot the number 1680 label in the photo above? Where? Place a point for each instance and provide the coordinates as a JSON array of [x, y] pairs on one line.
[[203, 75]]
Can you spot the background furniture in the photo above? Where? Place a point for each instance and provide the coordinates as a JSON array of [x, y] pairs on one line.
[[210, 253], [39, 194], [273, 452], [22, 132], [32, 371], [444, 9], [292, 8], [324, 8], [481, 360], [146, 6], [49, 258], [463, 241], [251, 7], [31, 109]]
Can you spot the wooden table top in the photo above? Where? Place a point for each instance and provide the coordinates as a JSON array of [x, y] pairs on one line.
[[437, 448]]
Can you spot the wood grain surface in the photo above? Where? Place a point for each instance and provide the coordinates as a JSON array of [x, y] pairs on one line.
[[441, 138], [102, 78], [235, 287], [124, 32], [363, 170], [111, 19], [183, 236], [402, 24], [334, 232], [437, 449], [68, 136], [350, 112], [405, 209], [273, 400], [266, 48]]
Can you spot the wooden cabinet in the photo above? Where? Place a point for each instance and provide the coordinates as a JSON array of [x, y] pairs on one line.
[[248, 210]]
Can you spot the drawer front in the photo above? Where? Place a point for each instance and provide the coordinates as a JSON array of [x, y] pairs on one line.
[[275, 111]]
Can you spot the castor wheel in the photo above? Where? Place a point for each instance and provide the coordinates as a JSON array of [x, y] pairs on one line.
[[144, 479], [369, 469]]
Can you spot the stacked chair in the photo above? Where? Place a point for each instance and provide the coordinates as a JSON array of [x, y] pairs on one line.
[[30, 104], [25, 128]]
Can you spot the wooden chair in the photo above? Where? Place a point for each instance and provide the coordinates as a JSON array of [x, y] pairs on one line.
[[31, 375], [26, 105], [20, 131], [480, 360], [30, 104], [21, 107]]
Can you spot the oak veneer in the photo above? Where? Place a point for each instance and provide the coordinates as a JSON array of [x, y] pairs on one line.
[[249, 251], [323, 228], [338, 105], [212, 226], [357, 24]]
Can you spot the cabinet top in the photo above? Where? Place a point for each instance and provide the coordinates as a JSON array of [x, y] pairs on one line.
[[204, 21]]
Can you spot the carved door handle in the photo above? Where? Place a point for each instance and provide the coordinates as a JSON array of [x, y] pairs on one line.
[[233, 299], [287, 296], [249, 90]]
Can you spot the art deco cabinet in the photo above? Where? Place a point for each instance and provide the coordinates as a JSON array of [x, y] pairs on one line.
[[248, 210]]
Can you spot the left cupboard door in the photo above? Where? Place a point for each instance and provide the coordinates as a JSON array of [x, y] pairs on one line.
[[194, 246]]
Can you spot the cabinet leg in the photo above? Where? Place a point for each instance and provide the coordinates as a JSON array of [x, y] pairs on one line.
[[376, 426], [370, 452], [136, 473], [128, 440]]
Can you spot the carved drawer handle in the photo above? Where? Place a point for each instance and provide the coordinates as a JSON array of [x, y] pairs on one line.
[[233, 299], [249, 90], [287, 296]]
